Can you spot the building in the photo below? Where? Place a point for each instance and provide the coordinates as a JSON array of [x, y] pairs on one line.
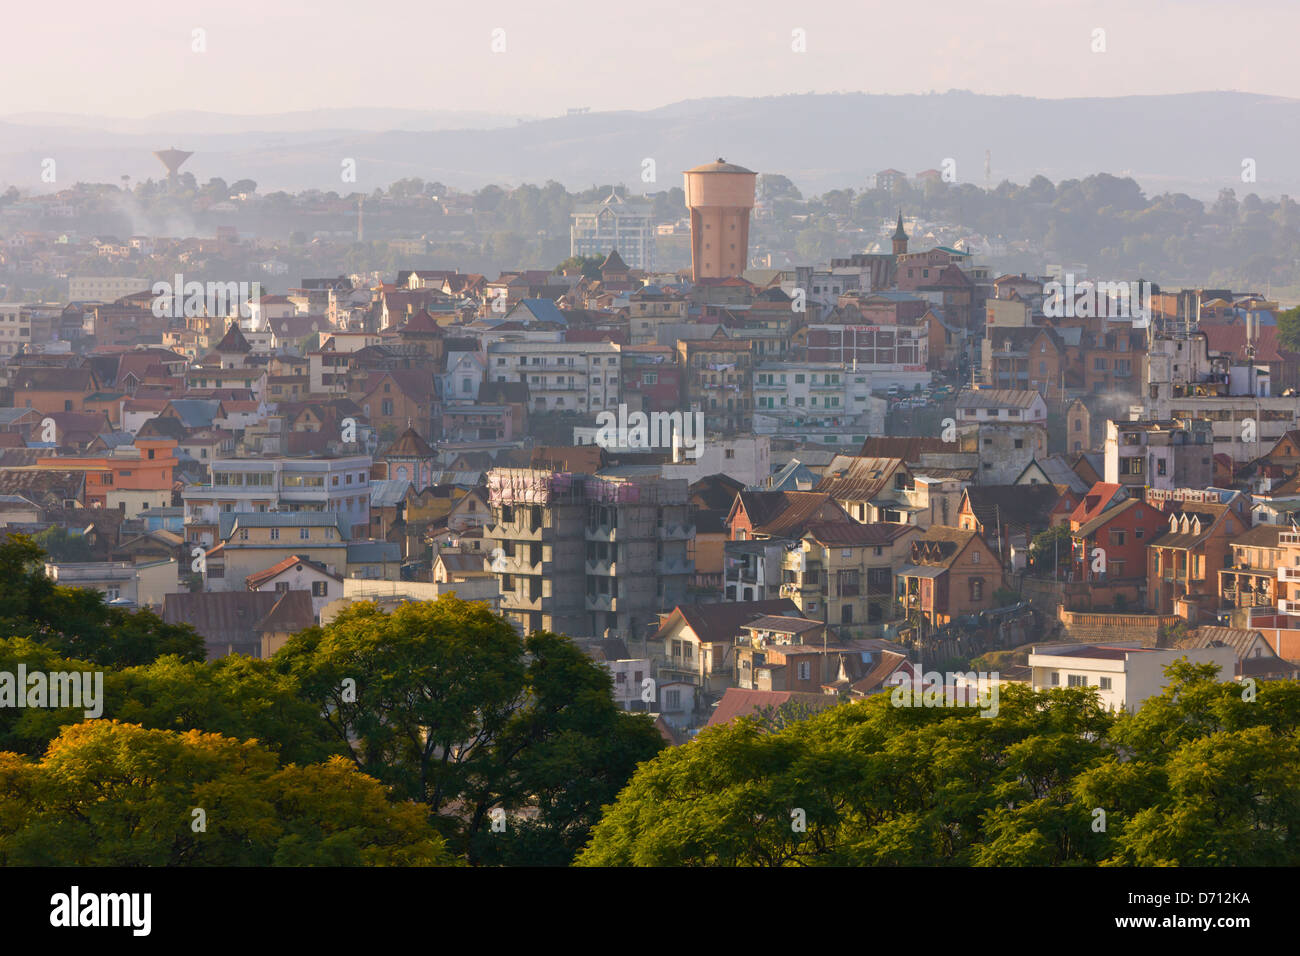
[[581, 377], [619, 224], [1168, 455], [1122, 673], [1008, 428], [842, 574], [720, 197], [339, 485], [589, 555]]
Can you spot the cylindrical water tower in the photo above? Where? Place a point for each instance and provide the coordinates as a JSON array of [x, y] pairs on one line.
[[720, 196]]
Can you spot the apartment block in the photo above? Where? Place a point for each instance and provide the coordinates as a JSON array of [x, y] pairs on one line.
[[589, 555]]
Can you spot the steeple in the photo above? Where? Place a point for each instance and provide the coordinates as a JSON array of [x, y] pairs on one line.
[[900, 237]]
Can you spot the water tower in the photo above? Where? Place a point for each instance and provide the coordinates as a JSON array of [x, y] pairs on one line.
[[720, 196], [173, 159]]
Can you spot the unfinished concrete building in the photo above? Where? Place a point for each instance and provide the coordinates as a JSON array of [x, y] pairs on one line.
[[589, 555]]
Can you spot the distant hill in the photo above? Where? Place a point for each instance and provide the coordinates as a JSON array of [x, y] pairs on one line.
[[1192, 142]]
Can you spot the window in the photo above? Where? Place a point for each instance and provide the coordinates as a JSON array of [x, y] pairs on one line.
[[304, 534], [281, 587], [320, 588], [1076, 680], [977, 589], [805, 670], [673, 700], [275, 534], [1104, 683], [1056, 679]]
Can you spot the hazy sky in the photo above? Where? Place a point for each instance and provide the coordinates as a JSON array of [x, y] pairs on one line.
[[135, 58]]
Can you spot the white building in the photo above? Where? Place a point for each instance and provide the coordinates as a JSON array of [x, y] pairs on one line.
[[277, 484], [818, 401], [561, 376], [625, 225], [1124, 673]]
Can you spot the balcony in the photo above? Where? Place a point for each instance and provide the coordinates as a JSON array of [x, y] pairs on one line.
[[676, 532], [602, 533], [602, 602], [515, 564], [1288, 574], [602, 567]]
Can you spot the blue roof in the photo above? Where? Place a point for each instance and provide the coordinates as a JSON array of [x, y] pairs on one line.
[[544, 310]]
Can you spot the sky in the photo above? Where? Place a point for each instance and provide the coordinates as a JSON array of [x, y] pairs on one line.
[[133, 59]]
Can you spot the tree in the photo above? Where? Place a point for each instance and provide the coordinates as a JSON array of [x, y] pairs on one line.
[[590, 266], [447, 704], [114, 794], [62, 546], [75, 622], [1050, 550]]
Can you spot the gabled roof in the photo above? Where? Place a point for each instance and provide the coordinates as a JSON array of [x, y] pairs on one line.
[[940, 546], [853, 477], [784, 513], [614, 263], [847, 534], [260, 578], [1023, 506], [719, 623], [737, 702], [1098, 498]]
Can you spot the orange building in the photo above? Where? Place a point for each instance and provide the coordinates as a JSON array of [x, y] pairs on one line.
[[133, 479]]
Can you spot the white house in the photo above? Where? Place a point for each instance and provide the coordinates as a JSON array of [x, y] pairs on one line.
[[1124, 673]]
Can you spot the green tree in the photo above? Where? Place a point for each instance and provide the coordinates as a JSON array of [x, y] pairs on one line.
[[114, 794], [447, 704]]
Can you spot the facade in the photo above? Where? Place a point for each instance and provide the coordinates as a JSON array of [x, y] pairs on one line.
[[1123, 674], [1168, 455], [616, 223], [581, 377], [274, 484], [588, 555]]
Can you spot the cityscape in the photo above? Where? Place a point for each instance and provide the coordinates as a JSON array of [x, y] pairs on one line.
[[702, 515]]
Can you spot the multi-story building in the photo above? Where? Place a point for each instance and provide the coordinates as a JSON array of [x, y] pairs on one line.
[[275, 484], [561, 376], [1176, 454], [1123, 673], [719, 382], [889, 354], [842, 574], [817, 400], [1008, 427], [22, 327], [589, 555], [615, 223], [104, 288]]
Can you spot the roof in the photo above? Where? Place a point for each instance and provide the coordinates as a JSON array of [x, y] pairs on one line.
[[228, 522], [939, 547], [1261, 536], [1057, 471], [1240, 639], [844, 533], [409, 444], [234, 621], [858, 478], [1207, 514], [784, 624], [907, 447], [1026, 506], [1105, 517], [737, 702], [1098, 498], [784, 513], [389, 493], [233, 340], [719, 623], [998, 398], [721, 166], [260, 578]]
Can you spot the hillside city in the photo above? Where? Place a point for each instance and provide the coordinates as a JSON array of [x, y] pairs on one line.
[[748, 470]]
